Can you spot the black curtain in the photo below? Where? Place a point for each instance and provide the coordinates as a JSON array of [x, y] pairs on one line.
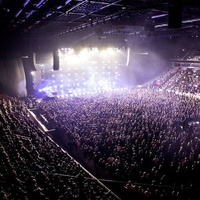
[[12, 77]]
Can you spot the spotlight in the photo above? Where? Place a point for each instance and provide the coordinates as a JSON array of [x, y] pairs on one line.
[[110, 51]]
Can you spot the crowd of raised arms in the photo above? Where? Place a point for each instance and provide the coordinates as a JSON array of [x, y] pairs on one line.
[[146, 136]]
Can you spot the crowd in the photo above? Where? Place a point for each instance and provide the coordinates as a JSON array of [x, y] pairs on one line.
[[145, 135], [148, 137], [34, 167], [192, 55], [181, 80]]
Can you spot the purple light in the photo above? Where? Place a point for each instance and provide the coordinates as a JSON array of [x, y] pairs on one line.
[[38, 5], [29, 14], [26, 2], [68, 1], [159, 16], [18, 13], [59, 7], [49, 14]]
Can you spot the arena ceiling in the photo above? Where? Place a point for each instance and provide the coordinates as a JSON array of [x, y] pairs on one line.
[[59, 18]]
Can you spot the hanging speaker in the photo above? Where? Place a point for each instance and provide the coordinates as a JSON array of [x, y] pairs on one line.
[[30, 61], [175, 14], [55, 59], [34, 59]]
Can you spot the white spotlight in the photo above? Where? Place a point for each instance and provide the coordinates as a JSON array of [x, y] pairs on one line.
[[110, 51]]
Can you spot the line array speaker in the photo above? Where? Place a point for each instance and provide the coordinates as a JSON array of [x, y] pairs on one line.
[[55, 60], [31, 58], [175, 14]]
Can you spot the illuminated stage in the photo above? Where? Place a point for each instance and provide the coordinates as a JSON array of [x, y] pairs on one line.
[[82, 72]]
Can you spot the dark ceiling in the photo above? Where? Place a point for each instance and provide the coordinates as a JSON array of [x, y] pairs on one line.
[[59, 18]]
